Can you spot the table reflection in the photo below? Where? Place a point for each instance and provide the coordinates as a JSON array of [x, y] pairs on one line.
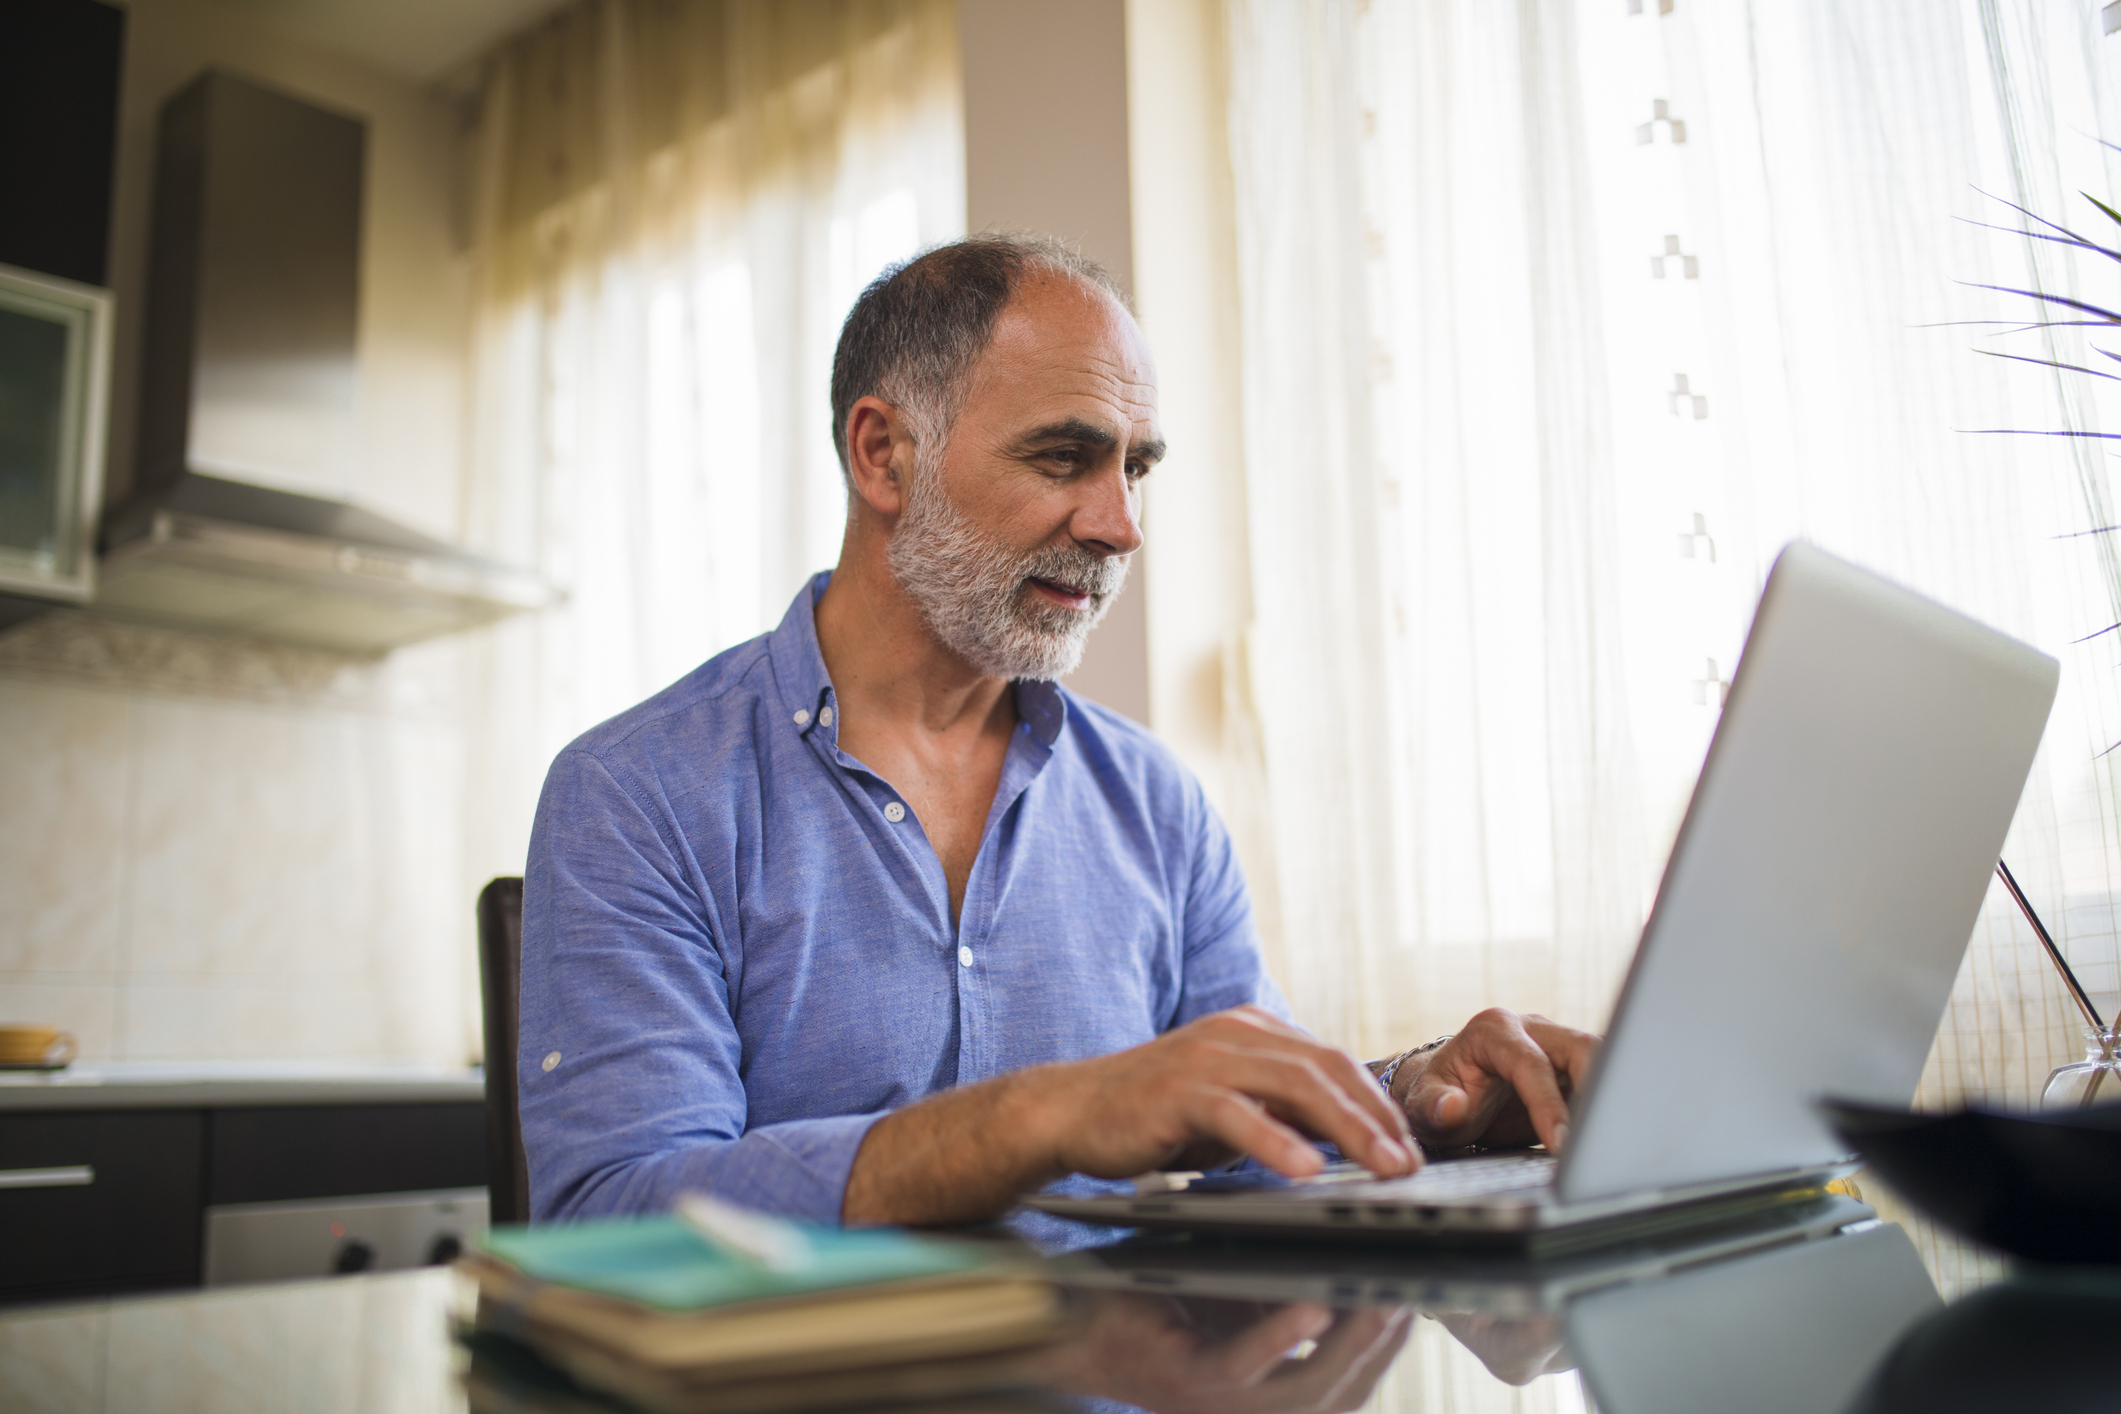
[[1821, 1309], [1203, 1355], [1792, 1311]]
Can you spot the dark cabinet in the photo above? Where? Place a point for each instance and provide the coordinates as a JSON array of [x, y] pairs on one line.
[[270, 1155], [133, 1226], [138, 1223]]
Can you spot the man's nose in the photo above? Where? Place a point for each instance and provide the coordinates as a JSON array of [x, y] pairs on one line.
[[1110, 518]]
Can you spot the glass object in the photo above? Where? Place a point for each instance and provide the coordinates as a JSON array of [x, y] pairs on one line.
[[54, 361], [2094, 1080]]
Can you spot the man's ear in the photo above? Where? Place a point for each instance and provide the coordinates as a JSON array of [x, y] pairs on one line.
[[879, 455]]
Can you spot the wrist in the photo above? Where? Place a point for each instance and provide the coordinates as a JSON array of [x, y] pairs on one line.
[[1408, 1076], [1031, 1118], [1404, 1071]]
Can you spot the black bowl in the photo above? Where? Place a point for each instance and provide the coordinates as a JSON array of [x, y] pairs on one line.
[[2043, 1186]]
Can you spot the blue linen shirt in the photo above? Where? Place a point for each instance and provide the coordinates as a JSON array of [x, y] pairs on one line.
[[737, 945]]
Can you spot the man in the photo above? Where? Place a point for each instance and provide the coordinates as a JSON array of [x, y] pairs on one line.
[[868, 921]]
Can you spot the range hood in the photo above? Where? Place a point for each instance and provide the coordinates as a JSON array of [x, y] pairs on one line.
[[239, 520]]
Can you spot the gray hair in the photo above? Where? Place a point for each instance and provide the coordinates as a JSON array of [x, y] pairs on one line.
[[914, 334]]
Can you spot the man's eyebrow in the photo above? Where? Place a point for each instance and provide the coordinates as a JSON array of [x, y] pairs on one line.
[[1076, 429], [1069, 429]]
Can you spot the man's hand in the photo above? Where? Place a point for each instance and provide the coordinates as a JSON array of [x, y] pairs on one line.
[[1504, 1080], [1238, 1082]]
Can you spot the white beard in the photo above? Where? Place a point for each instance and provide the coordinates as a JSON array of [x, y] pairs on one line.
[[974, 594]]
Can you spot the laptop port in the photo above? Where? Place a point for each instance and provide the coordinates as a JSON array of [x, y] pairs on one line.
[[1341, 1212]]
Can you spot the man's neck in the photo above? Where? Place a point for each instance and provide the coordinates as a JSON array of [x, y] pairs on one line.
[[888, 671]]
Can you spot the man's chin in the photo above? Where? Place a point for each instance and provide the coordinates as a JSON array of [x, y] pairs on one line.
[[1054, 657]]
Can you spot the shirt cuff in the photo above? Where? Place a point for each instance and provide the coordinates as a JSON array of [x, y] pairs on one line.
[[797, 1169]]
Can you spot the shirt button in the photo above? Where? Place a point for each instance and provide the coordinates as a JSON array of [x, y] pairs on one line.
[[964, 957], [802, 717], [894, 812], [550, 1061], [824, 717]]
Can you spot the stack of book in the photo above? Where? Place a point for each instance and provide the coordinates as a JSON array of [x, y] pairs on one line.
[[661, 1314]]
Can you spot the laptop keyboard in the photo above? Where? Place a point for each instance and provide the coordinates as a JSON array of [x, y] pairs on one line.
[[1453, 1180]]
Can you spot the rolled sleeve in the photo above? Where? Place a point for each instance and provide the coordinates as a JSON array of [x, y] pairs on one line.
[[629, 1062]]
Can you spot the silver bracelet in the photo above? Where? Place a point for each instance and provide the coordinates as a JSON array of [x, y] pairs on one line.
[[1384, 1077]]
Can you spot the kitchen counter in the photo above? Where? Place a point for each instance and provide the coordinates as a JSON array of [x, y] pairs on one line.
[[143, 1085]]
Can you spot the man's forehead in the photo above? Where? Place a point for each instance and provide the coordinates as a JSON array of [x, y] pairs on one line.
[[1070, 355]]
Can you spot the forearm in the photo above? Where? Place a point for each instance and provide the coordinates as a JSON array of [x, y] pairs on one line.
[[963, 1156]]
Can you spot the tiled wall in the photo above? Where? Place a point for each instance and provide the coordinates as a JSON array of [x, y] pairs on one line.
[[217, 849], [212, 849]]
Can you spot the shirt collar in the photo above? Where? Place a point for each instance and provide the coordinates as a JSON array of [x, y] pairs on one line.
[[806, 688], [798, 665], [1041, 709]]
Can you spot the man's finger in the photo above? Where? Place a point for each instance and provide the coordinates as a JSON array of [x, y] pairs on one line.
[[1267, 1032], [1528, 1068], [1296, 1090], [1299, 1091], [1445, 1107], [1245, 1126], [1570, 1050]]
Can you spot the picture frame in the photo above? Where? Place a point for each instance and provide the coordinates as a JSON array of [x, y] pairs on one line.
[[55, 358]]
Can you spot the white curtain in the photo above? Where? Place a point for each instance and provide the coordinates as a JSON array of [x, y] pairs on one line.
[[1560, 317], [675, 203], [1430, 481]]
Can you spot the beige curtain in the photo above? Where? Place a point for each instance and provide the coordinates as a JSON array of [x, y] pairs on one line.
[[1559, 319], [675, 201], [1430, 483]]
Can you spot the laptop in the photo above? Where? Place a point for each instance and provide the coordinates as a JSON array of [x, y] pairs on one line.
[[1804, 942], [1505, 1285]]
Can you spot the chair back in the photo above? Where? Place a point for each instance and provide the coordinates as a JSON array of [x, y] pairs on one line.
[[500, 968]]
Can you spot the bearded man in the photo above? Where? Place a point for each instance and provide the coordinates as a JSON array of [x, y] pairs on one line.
[[868, 920]]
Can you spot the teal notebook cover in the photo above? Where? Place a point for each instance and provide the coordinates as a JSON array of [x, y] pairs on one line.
[[660, 1262]]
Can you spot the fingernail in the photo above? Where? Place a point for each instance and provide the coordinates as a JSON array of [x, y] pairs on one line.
[[1561, 1135]]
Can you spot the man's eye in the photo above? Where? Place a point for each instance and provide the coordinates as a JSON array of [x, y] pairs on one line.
[[1137, 470], [1066, 456]]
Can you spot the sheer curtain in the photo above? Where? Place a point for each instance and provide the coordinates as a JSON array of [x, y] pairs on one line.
[[1430, 480], [675, 201], [1559, 319]]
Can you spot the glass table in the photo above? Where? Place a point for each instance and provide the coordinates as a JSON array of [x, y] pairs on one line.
[[1827, 1309]]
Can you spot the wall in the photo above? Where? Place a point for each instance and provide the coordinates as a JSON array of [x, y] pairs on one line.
[[214, 848], [1046, 150]]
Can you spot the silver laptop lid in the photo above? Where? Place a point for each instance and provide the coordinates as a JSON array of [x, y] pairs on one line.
[[1823, 885]]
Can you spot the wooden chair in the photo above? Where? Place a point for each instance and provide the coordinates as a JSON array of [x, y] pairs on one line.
[[500, 971]]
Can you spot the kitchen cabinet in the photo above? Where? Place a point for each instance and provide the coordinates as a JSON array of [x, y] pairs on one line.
[[106, 1184]]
